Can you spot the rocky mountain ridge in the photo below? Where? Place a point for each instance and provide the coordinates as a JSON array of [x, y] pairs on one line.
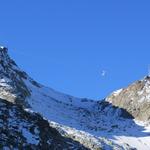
[[12, 86], [135, 99], [86, 124]]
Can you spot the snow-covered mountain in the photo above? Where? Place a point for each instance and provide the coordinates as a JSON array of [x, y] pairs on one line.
[[22, 130], [120, 122]]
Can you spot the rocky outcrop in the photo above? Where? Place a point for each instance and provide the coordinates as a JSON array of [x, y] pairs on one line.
[[20, 129], [12, 87], [135, 99]]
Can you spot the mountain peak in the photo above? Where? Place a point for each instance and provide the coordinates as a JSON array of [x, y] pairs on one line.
[[3, 53], [12, 86], [135, 99], [5, 60], [2, 48]]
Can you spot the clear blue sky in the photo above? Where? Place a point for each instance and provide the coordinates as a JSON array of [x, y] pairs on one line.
[[65, 44]]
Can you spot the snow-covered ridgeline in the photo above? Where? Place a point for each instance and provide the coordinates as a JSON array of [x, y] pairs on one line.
[[74, 116]]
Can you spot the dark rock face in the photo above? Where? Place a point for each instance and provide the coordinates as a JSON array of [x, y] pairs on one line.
[[135, 99], [23, 130], [12, 87], [119, 112]]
